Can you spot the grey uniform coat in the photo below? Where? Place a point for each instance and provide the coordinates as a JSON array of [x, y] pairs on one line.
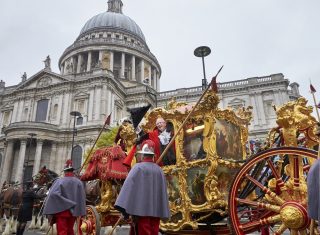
[[313, 182], [144, 192], [66, 193]]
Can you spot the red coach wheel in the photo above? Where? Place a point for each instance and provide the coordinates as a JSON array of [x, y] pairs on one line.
[[275, 190], [90, 225]]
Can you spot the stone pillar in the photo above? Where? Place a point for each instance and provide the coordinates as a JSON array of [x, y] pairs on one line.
[[158, 82], [154, 79], [150, 75], [62, 69], [91, 99], [142, 70], [255, 108], [20, 165], [133, 68], [261, 109], [79, 63], [8, 157], [89, 62], [111, 60], [100, 57], [52, 162], [98, 104], [123, 65], [37, 158]]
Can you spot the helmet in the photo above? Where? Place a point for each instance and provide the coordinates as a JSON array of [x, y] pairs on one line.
[[68, 166], [147, 147]]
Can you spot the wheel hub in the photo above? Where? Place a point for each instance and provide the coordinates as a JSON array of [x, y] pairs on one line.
[[294, 215]]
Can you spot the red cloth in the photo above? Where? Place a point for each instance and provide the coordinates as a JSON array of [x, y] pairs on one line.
[[106, 164], [147, 225], [65, 222]]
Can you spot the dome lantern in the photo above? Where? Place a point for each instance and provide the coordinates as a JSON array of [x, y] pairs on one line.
[[115, 6]]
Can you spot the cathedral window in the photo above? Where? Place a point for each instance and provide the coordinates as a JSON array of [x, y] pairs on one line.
[[6, 116], [42, 109], [79, 121]]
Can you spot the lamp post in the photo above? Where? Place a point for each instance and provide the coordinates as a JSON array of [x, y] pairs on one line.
[[75, 114], [202, 52], [26, 164]]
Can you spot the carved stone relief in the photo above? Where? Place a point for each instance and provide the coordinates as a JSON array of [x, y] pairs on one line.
[[44, 82]]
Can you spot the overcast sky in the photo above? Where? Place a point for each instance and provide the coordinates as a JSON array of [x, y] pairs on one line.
[[249, 37]]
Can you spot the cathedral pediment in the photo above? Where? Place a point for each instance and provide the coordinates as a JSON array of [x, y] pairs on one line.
[[42, 79]]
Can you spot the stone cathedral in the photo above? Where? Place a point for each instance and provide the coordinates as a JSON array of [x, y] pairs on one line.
[[107, 69]]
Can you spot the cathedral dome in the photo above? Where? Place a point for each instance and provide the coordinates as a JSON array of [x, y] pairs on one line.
[[113, 19]]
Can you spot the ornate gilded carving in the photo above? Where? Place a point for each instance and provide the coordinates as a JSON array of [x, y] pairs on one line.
[[200, 186]]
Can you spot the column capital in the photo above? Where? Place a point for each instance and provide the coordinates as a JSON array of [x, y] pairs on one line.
[[40, 141]]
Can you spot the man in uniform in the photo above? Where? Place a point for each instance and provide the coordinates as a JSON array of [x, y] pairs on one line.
[[66, 201], [144, 193]]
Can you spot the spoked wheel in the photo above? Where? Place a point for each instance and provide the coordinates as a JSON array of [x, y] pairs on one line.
[[90, 225], [269, 193]]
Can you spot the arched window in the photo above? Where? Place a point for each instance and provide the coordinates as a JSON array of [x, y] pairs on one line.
[[76, 157], [42, 109]]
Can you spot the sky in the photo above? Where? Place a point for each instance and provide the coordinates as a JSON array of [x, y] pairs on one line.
[[251, 38]]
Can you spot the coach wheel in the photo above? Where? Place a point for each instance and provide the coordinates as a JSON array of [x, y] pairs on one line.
[[270, 193], [90, 225]]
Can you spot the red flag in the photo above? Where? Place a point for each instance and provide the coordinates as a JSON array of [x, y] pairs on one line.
[[214, 85], [312, 89], [108, 120]]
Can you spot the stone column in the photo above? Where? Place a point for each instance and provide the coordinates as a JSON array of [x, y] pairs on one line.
[[100, 57], [8, 157], [123, 65], [111, 60], [154, 79], [91, 99], [52, 162], [98, 97], [79, 63], [255, 108], [14, 112], [261, 109], [142, 70], [158, 82], [150, 75], [133, 68], [37, 158], [62, 69], [20, 165], [89, 61]]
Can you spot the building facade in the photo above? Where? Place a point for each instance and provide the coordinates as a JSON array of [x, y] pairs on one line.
[[108, 69]]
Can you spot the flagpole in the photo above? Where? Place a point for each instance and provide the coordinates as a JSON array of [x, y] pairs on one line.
[[107, 122], [315, 105], [186, 119]]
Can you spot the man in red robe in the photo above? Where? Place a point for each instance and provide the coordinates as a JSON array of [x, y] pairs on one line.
[[161, 136]]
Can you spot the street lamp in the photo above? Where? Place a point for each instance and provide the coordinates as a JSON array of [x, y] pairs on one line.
[[202, 52], [26, 175], [75, 114]]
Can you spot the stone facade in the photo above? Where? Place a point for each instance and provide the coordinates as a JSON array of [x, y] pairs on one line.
[[105, 71]]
